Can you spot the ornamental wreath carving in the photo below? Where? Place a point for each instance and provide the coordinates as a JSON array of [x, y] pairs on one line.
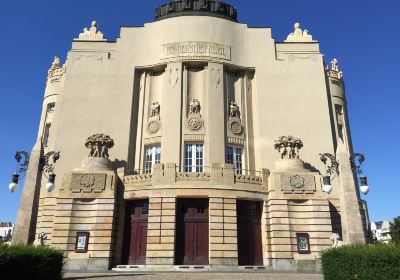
[[195, 123], [288, 147], [98, 145], [87, 180]]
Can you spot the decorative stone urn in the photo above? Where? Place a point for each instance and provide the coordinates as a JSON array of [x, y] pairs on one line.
[[98, 158], [289, 147]]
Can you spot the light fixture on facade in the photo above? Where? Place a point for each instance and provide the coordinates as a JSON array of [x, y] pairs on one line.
[[45, 167], [21, 169], [331, 171], [356, 168]]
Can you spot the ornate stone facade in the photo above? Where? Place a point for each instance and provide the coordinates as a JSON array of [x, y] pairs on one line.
[[197, 110]]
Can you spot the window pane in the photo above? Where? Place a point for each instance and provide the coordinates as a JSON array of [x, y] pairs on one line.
[[193, 158], [152, 156]]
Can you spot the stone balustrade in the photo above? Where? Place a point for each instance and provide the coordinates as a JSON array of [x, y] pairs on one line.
[[219, 174]]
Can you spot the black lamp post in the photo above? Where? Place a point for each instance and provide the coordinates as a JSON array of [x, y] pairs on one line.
[[356, 160], [331, 171], [45, 166]]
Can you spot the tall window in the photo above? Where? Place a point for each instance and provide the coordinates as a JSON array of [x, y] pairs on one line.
[[194, 157], [51, 107], [46, 134], [234, 157], [152, 156]]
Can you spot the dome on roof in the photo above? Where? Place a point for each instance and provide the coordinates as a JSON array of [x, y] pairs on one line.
[[212, 8]]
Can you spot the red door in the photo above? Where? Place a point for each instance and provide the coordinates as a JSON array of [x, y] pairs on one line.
[[249, 232], [135, 238], [192, 232]]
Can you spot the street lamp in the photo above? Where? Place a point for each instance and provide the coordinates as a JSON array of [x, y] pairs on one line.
[[45, 166], [21, 169], [356, 168], [331, 171]]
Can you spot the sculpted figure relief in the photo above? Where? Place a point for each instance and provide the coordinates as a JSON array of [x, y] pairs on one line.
[[155, 109], [335, 65], [234, 111], [194, 106], [98, 145], [288, 147]]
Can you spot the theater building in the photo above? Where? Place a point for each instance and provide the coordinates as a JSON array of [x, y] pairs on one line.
[[193, 142]]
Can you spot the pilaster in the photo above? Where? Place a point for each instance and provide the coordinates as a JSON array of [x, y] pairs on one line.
[[171, 116], [352, 227], [215, 115], [25, 226]]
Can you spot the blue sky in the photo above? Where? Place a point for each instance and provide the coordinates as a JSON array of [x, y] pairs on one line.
[[363, 35]]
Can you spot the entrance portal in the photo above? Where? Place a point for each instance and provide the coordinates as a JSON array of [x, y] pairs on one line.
[[191, 232], [135, 237], [249, 232]]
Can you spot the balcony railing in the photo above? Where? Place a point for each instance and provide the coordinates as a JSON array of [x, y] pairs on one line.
[[217, 174]]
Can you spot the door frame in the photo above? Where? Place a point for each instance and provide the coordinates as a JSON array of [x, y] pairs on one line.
[[127, 233], [180, 245]]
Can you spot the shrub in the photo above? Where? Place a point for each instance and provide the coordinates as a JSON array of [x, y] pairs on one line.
[[364, 262], [395, 230], [28, 262]]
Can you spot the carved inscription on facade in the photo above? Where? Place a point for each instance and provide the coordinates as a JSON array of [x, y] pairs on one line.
[[195, 49], [291, 183], [88, 182]]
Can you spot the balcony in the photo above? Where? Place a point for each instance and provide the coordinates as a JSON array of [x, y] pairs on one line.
[[216, 174]]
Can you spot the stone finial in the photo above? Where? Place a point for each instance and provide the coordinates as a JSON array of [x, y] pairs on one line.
[[335, 71], [299, 35], [98, 145], [56, 71], [288, 147], [91, 34]]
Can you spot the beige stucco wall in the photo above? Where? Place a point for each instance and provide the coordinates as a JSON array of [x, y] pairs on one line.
[[283, 89]]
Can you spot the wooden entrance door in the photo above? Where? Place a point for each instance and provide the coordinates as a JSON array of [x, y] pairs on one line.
[[249, 232], [191, 232], [135, 237]]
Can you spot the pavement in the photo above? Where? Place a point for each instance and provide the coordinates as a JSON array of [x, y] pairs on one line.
[[190, 276]]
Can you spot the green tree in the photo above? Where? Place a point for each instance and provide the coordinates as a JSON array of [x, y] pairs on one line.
[[395, 230]]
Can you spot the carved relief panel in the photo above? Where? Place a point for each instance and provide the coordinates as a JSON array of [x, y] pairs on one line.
[[195, 88]]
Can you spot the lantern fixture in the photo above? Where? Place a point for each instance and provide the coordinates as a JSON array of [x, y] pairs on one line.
[[356, 161], [331, 170], [45, 166]]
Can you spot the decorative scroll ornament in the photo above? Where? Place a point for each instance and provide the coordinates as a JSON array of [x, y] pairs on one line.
[[22, 165], [98, 145], [91, 34], [299, 35], [288, 147], [332, 168], [56, 71], [47, 163], [356, 161]]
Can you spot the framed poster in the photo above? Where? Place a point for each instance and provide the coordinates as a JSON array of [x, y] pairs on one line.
[[82, 242], [303, 243]]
